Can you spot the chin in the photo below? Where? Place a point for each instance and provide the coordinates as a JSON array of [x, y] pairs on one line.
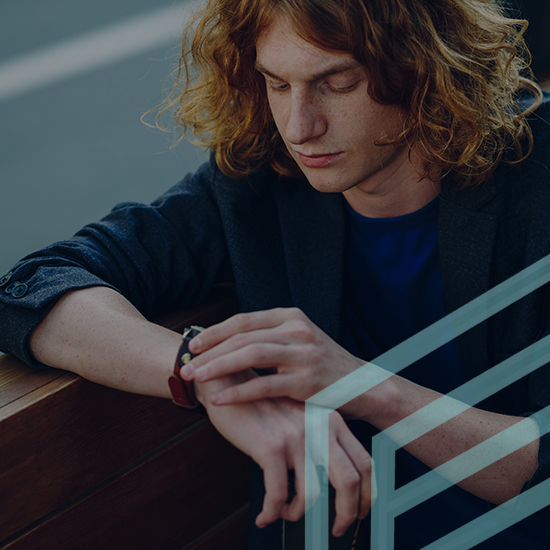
[[322, 186], [326, 185]]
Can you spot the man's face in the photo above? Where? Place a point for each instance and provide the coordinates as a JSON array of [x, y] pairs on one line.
[[326, 118]]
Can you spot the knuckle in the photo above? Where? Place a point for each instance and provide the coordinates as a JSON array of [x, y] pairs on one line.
[[350, 478], [280, 498], [296, 512], [277, 497], [242, 320], [364, 464], [302, 330], [293, 439], [366, 504], [296, 313], [276, 447]]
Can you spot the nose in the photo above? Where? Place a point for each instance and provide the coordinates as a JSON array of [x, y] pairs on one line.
[[306, 120]]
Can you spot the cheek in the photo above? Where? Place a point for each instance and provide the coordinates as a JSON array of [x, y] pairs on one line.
[[374, 123], [350, 122], [278, 111], [391, 119]]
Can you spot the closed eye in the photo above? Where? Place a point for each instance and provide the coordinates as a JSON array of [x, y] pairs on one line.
[[283, 86], [277, 86], [343, 89]]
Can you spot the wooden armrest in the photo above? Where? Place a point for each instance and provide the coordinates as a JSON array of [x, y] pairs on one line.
[[84, 466]]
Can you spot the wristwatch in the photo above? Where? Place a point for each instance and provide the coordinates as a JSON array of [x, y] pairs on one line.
[[182, 390]]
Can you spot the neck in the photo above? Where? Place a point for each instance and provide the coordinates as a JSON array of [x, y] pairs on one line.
[[400, 192]]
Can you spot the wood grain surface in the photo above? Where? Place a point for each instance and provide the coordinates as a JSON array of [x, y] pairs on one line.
[[84, 466]]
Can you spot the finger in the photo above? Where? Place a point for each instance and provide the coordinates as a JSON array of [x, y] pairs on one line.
[[293, 329], [362, 461], [346, 482], [276, 492], [222, 360], [306, 495], [261, 387], [260, 355], [295, 509], [242, 322], [254, 355], [222, 351]]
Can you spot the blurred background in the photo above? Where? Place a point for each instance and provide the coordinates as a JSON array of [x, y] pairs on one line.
[[537, 12], [75, 77]]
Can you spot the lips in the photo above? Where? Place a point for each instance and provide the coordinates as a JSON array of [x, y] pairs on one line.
[[318, 161]]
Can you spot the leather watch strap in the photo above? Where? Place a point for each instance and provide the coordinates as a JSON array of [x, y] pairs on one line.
[[182, 390]]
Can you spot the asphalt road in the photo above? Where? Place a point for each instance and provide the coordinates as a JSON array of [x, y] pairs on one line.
[[75, 77]]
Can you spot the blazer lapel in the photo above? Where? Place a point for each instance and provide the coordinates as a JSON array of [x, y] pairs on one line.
[[313, 228], [466, 242], [313, 234]]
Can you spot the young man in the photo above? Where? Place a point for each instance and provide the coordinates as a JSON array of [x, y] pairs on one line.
[[366, 181]]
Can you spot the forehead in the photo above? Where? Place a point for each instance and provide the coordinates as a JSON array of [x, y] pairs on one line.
[[280, 50]]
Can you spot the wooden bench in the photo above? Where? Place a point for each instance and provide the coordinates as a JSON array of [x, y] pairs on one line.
[[84, 466]]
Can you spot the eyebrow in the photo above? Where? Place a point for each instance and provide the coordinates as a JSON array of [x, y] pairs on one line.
[[335, 69]]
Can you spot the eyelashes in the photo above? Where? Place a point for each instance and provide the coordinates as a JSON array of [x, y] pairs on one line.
[[277, 87], [343, 89], [336, 89]]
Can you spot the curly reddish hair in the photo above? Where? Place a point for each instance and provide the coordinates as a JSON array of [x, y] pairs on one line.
[[455, 67]]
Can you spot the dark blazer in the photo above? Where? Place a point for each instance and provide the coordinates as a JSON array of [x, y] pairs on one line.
[[282, 244]]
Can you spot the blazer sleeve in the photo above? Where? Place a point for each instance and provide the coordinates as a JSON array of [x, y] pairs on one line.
[[159, 256]]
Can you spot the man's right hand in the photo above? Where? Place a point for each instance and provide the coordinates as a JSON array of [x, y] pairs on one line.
[[272, 433]]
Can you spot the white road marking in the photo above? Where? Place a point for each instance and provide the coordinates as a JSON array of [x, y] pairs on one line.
[[93, 50]]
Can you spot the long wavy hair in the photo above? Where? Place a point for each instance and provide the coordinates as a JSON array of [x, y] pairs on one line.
[[455, 67]]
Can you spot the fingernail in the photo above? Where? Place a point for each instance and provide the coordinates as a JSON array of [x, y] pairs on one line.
[[186, 371], [216, 398], [195, 344], [260, 524]]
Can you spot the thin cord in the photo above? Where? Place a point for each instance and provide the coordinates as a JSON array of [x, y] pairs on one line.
[[355, 536]]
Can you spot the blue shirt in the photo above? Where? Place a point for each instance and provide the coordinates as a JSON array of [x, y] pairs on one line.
[[394, 289]]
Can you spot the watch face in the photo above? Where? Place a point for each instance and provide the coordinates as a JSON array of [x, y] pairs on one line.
[[192, 331]]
